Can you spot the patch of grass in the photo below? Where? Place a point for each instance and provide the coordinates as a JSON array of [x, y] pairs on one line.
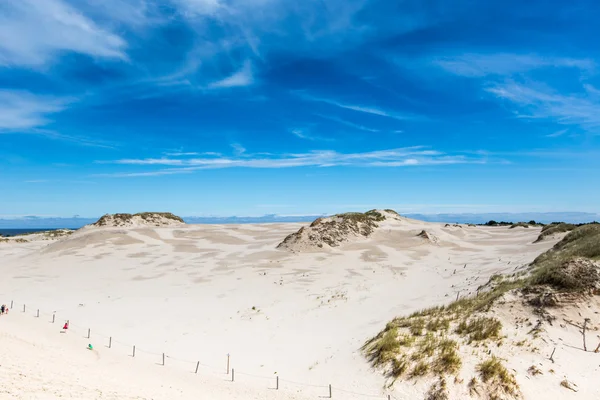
[[417, 326], [406, 340], [533, 370], [493, 372], [552, 229], [427, 345], [420, 369], [447, 362], [480, 328], [384, 348], [399, 367], [473, 386], [568, 385], [438, 324], [556, 266], [438, 391]]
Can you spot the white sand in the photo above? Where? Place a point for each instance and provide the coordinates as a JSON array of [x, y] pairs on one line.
[[190, 291]]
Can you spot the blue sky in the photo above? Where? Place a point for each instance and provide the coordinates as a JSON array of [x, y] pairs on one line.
[[226, 107]]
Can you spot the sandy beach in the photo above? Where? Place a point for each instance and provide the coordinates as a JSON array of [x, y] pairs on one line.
[[199, 292]]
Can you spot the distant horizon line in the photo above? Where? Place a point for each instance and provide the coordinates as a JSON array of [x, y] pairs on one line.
[[576, 217], [303, 215]]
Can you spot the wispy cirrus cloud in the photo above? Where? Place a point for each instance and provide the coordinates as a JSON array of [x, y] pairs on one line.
[[366, 109], [243, 77], [305, 133], [400, 157], [480, 65], [33, 32], [22, 110], [543, 102], [511, 77], [557, 133], [348, 123]]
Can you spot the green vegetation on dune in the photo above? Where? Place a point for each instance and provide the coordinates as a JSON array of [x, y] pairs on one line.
[[492, 371], [564, 267], [549, 230], [146, 216], [423, 343]]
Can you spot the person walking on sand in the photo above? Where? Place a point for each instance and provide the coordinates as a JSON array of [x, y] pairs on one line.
[[66, 326], [2, 308]]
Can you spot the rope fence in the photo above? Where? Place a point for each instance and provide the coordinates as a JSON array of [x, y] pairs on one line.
[[276, 382]]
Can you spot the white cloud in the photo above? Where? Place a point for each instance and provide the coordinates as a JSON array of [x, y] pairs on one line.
[[300, 134], [354, 107], [305, 134], [181, 154], [238, 149], [480, 65], [243, 77], [401, 157], [194, 8], [32, 32], [20, 110], [558, 133], [348, 123], [544, 103]]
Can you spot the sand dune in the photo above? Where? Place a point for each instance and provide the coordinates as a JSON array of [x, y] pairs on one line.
[[199, 292]]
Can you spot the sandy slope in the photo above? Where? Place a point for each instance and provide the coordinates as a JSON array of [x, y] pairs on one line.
[[190, 291]]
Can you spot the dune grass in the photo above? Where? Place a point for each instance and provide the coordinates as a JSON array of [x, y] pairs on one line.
[[549, 267], [480, 328], [422, 343], [494, 373], [552, 229]]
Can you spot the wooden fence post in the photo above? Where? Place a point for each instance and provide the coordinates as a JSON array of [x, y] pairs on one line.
[[197, 366], [38, 313], [232, 375], [23, 307], [585, 322], [330, 394], [53, 317], [277, 384], [163, 359], [110, 342], [134, 350], [89, 333], [11, 304], [227, 363]]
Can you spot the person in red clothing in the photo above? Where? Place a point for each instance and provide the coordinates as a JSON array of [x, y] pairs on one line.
[[66, 326]]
